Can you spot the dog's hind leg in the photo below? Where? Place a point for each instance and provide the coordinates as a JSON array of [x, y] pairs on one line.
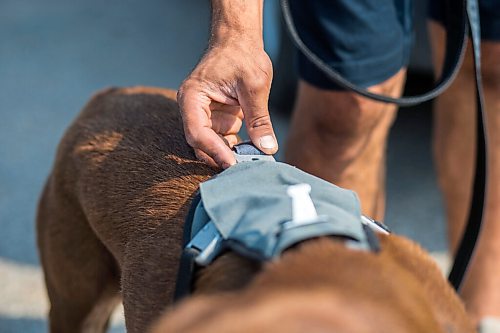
[[81, 275]]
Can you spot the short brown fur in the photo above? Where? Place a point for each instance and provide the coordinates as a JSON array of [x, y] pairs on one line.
[[111, 217]]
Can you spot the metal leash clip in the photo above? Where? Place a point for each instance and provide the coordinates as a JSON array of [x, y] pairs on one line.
[[375, 225]]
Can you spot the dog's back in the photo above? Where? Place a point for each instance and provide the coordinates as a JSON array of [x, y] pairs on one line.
[[111, 218]]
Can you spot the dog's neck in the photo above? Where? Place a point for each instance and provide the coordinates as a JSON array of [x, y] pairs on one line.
[[232, 272], [325, 275]]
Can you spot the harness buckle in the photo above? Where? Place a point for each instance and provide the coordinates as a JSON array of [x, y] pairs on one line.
[[209, 242], [247, 152], [253, 158]]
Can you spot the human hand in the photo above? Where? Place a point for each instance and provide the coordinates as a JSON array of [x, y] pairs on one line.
[[230, 85]]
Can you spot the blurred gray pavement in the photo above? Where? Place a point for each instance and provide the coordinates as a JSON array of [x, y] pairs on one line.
[[54, 54]]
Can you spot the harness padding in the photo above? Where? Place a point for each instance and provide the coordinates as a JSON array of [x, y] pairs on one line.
[[251, 206]]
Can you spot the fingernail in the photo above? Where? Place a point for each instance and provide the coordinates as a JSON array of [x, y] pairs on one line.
[[267, 142]]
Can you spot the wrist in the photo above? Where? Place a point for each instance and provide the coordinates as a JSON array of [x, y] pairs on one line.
[[236, 20]]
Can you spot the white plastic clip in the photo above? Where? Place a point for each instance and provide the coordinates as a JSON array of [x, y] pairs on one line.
[[303, 210]]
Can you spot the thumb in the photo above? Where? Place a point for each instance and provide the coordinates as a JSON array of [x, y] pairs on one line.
[[258, 123]]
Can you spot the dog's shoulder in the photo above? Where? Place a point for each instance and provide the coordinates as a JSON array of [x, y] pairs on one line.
[[129, 128], [127, 145]]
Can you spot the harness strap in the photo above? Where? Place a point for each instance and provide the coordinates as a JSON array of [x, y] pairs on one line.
[[187, 267], [200, 249], [371, 238], [185, 273], [203, 232]]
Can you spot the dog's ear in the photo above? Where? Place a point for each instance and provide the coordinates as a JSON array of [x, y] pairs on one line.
[[227, 273]]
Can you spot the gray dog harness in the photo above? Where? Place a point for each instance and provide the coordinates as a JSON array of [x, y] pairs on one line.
[[258, 208]]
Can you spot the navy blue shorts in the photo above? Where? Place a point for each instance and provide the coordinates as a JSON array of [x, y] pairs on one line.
[[367, 41]]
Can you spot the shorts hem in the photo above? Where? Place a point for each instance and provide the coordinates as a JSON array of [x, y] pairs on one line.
[[363, 73]]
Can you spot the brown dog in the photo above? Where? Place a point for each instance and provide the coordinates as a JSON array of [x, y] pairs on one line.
[[111, 218]]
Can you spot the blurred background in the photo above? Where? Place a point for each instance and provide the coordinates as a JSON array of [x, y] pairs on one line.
[[54, 54]]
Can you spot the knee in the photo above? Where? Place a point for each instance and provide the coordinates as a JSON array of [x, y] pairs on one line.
[[342, 119], [349, 120]]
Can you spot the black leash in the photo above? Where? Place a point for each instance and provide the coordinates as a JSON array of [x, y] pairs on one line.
[[470, 236], [462, 16]]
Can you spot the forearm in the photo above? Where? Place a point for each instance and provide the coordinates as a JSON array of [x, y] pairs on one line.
[[240, 19]]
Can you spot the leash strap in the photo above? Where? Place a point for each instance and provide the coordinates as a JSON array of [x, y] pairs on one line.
[[462, 16], [470, 236]]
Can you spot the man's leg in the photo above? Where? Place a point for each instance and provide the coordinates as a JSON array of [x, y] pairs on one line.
[[338, 135], [454, 135], [341, 137]]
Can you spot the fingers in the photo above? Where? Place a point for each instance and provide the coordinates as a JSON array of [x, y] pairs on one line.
[[225, 124], [200, 155], [232, 139], [260, 129], [206, 140], [195, 110]]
